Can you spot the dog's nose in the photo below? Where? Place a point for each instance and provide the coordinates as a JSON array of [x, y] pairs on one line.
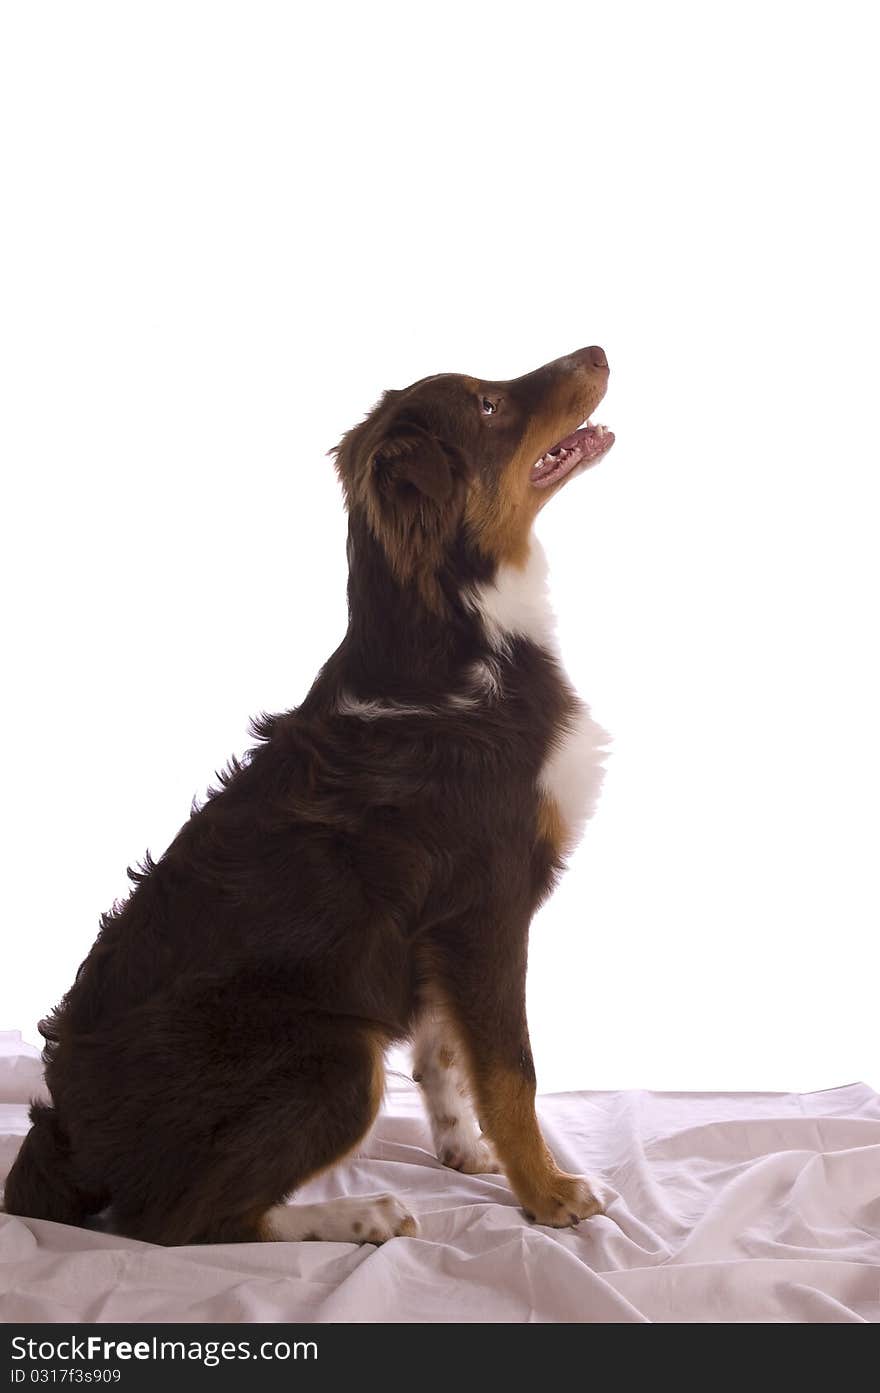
[[592, 358]]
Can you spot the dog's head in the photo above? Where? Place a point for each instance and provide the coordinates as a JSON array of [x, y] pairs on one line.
[[455, 459]]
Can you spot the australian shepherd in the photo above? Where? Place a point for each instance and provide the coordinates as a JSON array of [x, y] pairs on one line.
[[365, 875]]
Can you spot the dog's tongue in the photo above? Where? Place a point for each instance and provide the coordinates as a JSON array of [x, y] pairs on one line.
[[583, 446], [570, 441]]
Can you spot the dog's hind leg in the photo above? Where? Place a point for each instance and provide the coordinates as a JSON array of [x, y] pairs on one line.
[[349, 1218], [255, 1130], [44, 1182]]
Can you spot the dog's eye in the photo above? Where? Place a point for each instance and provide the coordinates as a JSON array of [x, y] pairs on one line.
[[488, 407]]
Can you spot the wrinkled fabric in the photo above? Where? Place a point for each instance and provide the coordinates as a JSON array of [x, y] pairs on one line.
[[720, 1207]]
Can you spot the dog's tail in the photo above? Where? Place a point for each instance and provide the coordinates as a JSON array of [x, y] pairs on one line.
[[42, 1183]]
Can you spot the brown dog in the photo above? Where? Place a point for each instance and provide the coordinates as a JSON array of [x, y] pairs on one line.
[[366, 874]]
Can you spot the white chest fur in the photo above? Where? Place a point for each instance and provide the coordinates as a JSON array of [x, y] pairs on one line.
[[572, 772], [517, 603]]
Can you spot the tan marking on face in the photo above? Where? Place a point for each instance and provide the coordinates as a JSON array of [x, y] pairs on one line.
[[446, 1057], [501, 516]]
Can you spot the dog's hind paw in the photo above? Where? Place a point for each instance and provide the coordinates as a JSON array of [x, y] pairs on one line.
[[352, 1219]]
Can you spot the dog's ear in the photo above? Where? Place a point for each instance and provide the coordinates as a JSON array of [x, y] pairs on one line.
[[410, 484], [414, 467], [416, 486]]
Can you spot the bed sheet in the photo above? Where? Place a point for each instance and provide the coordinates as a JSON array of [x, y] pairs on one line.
[[726, 1207]]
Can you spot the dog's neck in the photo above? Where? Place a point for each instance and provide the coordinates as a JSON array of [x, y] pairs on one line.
[[399, 647], [396, 641]]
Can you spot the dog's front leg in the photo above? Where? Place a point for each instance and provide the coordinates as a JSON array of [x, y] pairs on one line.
[[437, 1069], [495, 1044], [506, 1099]]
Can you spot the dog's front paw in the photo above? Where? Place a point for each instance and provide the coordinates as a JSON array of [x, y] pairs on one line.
[[568, 1199], [472, 1155]]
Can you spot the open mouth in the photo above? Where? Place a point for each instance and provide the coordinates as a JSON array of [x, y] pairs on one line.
[[584, 446]]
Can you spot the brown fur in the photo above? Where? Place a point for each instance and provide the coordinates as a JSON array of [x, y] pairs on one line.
[[549, 826], [223, 1040]]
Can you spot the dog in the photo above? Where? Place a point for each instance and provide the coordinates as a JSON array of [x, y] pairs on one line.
[[366, 874]]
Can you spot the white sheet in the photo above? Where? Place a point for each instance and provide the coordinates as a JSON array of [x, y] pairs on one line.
[[721, 1207]]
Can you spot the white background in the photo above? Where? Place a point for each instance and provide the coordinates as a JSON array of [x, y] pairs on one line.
[[227, 227]]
